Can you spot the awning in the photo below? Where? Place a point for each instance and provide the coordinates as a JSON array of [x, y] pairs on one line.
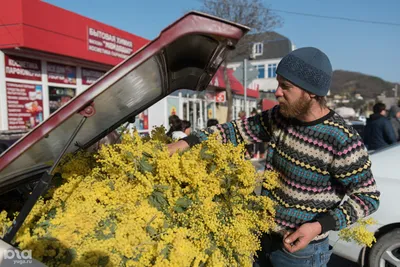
[[218, 81]]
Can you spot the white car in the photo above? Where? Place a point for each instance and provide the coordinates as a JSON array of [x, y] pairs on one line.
[[386, 251]]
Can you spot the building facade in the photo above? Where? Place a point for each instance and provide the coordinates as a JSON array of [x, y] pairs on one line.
[[49, 57], [262, 53]]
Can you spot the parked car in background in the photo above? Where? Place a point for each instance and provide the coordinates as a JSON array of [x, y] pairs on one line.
[[386, 251]]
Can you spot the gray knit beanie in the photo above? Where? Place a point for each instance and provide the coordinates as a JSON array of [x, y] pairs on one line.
[[308, 68]]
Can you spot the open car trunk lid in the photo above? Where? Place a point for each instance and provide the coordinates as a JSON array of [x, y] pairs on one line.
[[185, 55]]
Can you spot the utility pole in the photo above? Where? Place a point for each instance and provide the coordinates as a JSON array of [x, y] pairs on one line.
[[245, 84]]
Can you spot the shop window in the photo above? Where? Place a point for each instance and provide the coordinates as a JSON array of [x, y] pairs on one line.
[[59, 96], [271, 70]]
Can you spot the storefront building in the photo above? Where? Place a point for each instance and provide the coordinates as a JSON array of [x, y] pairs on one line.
[[238, 92], [48, 57]]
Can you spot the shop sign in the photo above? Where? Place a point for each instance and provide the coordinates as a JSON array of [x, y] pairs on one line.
[[58, 73], [24, 105], [90, 76], [220, 97], [173, 106], [23, 68], [142, 121], [108, 44]]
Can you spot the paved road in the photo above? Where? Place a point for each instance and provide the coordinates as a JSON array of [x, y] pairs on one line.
[[337, 261]]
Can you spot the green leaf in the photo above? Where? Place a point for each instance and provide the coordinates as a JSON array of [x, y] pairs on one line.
[[236, 257], [123, 261], [212, 167], [130, 156], [178, 209], [43, 224], [52, 213], [131, 177], [205, 154], [160, 187], [165, 252], [147, 155], [166, 224], [103, 261], [184, 202], [151, 230], [111, 185], [145, 166], [158, 200], [70, 255]]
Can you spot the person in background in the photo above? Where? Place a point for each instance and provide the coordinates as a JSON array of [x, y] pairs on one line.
[[394, 116], [186, 127], [212, 122], [378, 132], [242, 115], [325, 181], [175, 128]]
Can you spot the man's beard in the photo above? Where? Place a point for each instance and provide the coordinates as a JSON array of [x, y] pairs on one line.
[[301, 106]]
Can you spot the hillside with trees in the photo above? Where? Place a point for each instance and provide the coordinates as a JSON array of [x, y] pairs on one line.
[[350, 83]]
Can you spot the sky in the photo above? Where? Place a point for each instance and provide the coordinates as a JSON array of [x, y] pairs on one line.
[[368, 48]]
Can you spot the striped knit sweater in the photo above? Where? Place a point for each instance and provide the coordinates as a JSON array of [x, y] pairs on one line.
[[325, 171]]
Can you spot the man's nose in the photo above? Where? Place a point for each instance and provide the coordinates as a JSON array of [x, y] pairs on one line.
[[279, 92]]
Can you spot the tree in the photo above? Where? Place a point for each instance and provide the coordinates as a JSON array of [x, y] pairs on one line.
[[252, 13]]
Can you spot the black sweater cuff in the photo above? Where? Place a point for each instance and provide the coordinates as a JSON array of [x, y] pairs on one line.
[[192, 140], [327, 222]]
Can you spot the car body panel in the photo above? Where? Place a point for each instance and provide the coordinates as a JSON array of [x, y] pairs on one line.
[[387, 176]]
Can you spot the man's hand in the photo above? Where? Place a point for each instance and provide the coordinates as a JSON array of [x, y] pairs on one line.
[[180, 145], [301, 237]]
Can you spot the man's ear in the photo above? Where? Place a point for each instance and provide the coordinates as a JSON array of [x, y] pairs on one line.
[[312, 95]]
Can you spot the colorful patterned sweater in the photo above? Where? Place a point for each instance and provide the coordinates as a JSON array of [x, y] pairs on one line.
[[325, 171]]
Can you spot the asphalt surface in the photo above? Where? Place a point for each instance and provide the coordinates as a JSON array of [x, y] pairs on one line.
[[337, 261]]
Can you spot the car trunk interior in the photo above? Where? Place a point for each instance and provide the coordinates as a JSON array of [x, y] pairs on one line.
[[188, 62]]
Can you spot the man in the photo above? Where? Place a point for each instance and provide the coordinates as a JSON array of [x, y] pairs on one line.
[[379, 131], [320, 160], [394, 116]]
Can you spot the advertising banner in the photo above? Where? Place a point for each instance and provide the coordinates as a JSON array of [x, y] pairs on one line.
[[173, 106], [220, 97], [108, 44], [23, 68], [210, 111], [59, 73], [142, 121], [24, 105], [89, 76]]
